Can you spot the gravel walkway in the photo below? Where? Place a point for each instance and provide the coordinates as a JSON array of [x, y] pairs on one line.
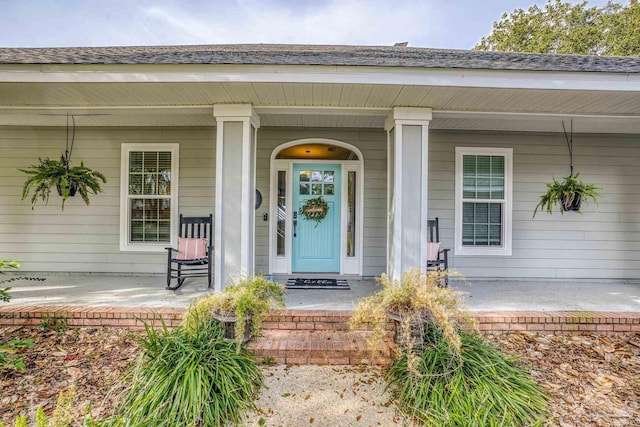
[[328, 396]]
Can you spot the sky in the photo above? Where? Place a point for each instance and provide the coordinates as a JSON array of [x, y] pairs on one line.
[[452, 24]]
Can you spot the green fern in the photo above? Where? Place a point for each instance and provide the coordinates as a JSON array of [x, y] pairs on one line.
[[564, 192], [58, 173]]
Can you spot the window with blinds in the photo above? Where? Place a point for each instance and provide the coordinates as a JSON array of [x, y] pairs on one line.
[[482, 200], [148, 196], [483, 205]]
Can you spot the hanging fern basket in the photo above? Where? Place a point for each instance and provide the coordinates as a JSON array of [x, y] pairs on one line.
[[68, 180], [72, 188], [571, 203], [315, 209]]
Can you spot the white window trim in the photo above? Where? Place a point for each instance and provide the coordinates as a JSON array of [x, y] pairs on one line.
[[505, 249], [125, 222]]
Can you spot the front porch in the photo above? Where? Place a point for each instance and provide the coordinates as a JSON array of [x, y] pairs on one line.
[[540, 295], [423, 134]]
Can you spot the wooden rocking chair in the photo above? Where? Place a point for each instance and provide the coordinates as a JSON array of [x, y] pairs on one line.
[[193, 258], [437, 257]]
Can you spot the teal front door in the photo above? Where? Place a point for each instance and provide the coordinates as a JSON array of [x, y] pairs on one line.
[[316, 246]]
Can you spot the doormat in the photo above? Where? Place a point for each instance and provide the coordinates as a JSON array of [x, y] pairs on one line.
[[300, 283]]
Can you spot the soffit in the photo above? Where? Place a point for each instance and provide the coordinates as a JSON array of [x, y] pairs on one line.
[[190, 104], [329, 95]]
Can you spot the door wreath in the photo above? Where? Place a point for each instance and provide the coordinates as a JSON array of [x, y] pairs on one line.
[[314, 209]]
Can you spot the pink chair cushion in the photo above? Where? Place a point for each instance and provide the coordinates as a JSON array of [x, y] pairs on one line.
[[191, 248], [432, 250]]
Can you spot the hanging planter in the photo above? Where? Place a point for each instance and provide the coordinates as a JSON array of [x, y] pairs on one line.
[[568, 193], [315, 209], [571, 191], [571, 203], [59, 174], [71, 189]]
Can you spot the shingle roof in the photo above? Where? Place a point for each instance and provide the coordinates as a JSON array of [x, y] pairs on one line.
[[267, 54]]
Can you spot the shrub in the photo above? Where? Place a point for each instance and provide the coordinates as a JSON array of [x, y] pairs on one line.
[[477, 386], [8, 357], [4, 292], [189, 377]]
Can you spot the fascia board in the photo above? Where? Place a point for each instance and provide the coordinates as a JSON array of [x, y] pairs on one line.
[[508, 79]]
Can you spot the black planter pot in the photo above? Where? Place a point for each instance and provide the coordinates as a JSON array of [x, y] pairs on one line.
[[575, 204], [72, 190], [229, 324], [416, 330]]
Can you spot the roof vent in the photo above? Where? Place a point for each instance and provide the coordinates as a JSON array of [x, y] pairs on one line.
[[401, 44]]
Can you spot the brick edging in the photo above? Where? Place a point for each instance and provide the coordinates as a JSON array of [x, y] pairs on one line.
[[96, 316], [133, 317], [559, 321]]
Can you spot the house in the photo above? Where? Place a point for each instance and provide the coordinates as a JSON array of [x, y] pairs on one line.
[[383, 134]]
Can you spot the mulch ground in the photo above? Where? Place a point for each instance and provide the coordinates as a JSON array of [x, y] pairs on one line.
[[90, 361], [593, 380]]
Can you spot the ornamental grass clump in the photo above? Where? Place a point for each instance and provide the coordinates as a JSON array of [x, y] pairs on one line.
[[417, 298], [249, 298], [473, 386], [189, 378]]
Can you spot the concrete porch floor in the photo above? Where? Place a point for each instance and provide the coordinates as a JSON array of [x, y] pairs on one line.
[[482, 294]]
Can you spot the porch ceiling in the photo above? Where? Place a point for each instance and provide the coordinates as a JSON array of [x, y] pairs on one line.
[[347, 105]]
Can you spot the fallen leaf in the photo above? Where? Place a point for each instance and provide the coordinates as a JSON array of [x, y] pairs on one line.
[[75, 373]]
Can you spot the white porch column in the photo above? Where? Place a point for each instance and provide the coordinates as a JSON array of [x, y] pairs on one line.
[[407, 175], [237, 126]]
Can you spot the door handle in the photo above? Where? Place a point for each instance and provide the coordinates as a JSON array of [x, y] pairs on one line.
[[295, 224]]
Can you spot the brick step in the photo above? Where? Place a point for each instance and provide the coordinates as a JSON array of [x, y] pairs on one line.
[[299, 347], [310, 320]]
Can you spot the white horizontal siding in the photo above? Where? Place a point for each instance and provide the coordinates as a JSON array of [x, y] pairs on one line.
[[85, 238], [373, 145], [603, 242]]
